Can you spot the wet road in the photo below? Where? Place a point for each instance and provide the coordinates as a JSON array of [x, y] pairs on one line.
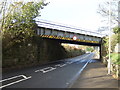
[[60, 74]]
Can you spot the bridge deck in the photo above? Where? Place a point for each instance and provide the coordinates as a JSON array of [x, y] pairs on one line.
[[58, 31]]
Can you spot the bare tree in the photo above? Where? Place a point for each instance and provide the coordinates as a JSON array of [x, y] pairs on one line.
[[105, 11]]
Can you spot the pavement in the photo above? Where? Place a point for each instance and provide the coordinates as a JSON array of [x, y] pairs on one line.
[[95, 76]]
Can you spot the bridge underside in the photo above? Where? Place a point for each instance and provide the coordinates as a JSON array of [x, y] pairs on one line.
[[78, 43]]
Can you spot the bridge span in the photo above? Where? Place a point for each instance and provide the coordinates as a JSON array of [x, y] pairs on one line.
[[68, 34]]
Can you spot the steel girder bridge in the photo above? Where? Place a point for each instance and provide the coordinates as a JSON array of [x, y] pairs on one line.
[[68, 34]]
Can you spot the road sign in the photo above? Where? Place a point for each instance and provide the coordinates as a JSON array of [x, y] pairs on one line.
[[74, 38]]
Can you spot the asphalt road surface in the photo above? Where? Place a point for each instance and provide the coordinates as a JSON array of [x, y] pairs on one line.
[[60, 74]]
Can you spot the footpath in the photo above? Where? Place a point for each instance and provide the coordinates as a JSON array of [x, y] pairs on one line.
[[95, 76]]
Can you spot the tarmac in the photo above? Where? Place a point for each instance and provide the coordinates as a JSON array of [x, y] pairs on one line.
[[95, 76]]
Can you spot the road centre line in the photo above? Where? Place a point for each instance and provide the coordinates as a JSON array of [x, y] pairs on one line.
[[80, 58], [45, 71], [48, 70], [42, 69], [58, 65], [25, 78], [69, 62], [63, 65], [37, 70]]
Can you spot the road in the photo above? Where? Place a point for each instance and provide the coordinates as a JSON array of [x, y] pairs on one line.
[[60, 74]]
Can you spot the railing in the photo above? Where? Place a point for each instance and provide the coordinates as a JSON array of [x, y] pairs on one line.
[[52, 25]]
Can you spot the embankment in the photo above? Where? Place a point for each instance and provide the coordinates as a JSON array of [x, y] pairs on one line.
[[35, 51]]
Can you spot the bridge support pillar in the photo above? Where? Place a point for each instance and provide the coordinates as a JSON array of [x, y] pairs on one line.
[[100, 51]]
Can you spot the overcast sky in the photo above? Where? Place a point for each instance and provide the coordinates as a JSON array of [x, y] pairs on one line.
[[80, 13]]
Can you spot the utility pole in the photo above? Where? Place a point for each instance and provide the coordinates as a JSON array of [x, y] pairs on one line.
[[118, 37], [109, 61]]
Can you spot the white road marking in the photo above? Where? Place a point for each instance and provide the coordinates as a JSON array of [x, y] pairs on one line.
[[42, 69], [85, 65], [13, 78], [45, 71], [49, 70], [80, 58], [25, 78], [37, 70], [57, 65], [77, 75], [63, 65], [69, 62]]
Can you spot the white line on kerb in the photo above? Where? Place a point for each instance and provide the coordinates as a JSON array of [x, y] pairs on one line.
[[76, 76], [25, 78]]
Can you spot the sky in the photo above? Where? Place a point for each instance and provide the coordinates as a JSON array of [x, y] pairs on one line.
[[79, 13]]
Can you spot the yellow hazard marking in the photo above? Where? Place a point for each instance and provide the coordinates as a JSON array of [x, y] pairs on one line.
[[66, 38]]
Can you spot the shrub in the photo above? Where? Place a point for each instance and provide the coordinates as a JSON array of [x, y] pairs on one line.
[[115, 57]]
